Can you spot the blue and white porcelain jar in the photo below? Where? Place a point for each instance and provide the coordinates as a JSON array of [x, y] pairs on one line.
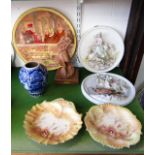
[[34, 78]]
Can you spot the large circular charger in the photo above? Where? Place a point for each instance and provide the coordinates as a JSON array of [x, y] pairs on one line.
[[44, 35]]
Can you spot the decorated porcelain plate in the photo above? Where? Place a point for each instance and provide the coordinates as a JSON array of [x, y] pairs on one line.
[[100, 49], [108, 88], [114, 126], [44, 35], [52, 122]]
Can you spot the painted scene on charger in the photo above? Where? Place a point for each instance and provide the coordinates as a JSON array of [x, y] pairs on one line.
[[46, 37]]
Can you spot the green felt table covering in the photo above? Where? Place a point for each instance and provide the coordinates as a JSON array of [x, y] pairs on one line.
[[82, 143]]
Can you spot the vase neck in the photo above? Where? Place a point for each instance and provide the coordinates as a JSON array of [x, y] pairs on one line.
[[31, 65]]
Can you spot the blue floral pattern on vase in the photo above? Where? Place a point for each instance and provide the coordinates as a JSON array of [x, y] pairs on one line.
[[33, 76]]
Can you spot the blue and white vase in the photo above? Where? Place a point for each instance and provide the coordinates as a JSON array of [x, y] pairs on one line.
[[34, 78]]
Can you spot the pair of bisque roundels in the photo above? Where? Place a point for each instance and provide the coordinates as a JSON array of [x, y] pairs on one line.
[[57, 121]]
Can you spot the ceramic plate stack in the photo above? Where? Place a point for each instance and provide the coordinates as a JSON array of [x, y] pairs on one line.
[[100, 50]]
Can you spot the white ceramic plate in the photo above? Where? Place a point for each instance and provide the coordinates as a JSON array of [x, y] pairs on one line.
[[110, 36], [120, 84]]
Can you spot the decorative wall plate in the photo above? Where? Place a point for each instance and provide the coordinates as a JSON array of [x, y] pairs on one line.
[[113, 126], [100, 49], [44, 35], [108, 88]]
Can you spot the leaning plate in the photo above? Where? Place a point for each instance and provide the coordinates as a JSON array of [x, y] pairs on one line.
[[101, 49], [108, 88], [44, 35]]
